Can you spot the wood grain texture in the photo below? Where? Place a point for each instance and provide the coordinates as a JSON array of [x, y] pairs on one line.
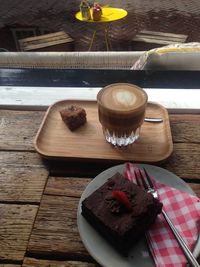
[[195, 188], [18, 129], [31, 262], [161, 38], [16, 222], [22, 184], [22, 177], [26, 125], [184, 161], [55, 231], [18, 158], [51, 40], [68, 186], [10, 265], [185, 128], [55, 140]]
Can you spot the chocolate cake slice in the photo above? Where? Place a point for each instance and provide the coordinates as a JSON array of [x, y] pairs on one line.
[[73, 116], [121, 212]]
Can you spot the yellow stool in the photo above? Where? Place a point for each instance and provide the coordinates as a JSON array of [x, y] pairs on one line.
[[109, 14]]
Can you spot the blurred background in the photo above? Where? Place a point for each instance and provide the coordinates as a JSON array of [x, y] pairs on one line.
[[28, 18]]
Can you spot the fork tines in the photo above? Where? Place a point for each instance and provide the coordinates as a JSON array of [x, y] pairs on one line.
[[148, 178], [144, 178]]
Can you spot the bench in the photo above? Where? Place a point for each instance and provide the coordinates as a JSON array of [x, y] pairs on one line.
[[146, 40], [58, 41]]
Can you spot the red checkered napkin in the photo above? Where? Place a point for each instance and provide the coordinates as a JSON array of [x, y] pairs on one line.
[[184, 211]]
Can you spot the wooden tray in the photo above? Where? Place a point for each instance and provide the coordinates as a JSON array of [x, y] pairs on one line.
[[55, 141]]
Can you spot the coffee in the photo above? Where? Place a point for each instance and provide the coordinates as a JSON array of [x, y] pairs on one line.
[[121, 108]]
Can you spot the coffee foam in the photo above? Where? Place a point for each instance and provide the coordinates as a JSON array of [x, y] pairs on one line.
[[123, 97]]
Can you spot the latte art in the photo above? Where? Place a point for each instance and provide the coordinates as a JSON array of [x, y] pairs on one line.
[[124, 98]]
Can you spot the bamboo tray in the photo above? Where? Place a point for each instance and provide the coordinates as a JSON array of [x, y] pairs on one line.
[[55, 141]]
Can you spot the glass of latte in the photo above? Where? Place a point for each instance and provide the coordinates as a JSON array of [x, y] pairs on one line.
[[121, 109]]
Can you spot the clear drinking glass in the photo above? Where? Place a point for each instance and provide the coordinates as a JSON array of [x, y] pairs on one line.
[[121, 109]]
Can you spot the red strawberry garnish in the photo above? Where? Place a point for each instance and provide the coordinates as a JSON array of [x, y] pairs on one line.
[[122, 198]]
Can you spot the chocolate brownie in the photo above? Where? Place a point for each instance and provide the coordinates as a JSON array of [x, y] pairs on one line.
[[121, 212], [73, 116]]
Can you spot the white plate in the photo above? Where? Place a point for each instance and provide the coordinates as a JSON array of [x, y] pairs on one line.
[[98, 247]]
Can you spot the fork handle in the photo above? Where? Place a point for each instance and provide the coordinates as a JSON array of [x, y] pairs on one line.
[[188, 254]]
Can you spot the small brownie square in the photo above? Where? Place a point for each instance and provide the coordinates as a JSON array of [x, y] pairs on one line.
[[121, 212], [73, 116]]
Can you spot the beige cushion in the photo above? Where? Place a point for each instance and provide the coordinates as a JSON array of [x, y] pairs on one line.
[[171, 57]]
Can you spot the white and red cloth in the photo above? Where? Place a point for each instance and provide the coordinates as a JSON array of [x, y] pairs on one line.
[[184, 211]]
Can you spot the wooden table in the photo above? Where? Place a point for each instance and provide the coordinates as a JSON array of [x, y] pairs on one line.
[[39, 199]]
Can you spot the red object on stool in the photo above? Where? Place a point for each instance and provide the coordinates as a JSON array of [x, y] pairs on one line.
[[96, 12]]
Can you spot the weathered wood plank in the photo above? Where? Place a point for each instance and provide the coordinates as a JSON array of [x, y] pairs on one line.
[[16, 222], [159, 37], [53, 41], [18, 129], [22, 184], [10, 265], [72, 187], [184, 161], [195, 188], [185, 127], [31, 262], [22, 177], [18, 158], [55, 231]]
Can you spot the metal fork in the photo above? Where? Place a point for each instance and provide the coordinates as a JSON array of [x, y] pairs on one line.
[[149, 187]]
